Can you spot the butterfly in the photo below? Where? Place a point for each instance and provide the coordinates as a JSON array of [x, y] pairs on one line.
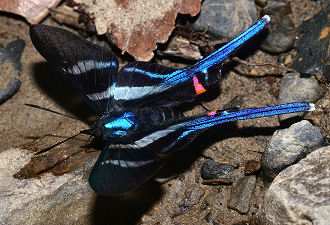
[[139, 121]]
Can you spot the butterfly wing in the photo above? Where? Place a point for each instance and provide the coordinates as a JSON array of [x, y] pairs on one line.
[[90, 69], [183, 132], [119, 170], [124, 167], [144, 84]]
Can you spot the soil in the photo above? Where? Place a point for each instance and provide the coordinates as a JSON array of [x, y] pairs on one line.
[[183, 200]]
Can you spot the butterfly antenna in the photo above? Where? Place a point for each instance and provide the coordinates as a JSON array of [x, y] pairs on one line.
[[58, 143], [52, 111]]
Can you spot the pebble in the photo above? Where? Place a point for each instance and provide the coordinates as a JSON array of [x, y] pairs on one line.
[[283, 7], [215, 173], [225, 19], [281, 34], [300, 193], [296, 89], [241, 194], [12, 53], [312, 47], [288, 146], [288, 60], [252, 166], [10, 90], [261, 3]]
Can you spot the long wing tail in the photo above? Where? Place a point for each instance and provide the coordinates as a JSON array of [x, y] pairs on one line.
[[124, 167], [145, 84], [218, 117], [218, 56]]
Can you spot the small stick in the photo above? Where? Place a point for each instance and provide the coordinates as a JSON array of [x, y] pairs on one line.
[[277, 66]]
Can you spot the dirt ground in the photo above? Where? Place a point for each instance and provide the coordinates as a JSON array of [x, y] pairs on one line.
[[236, 143]]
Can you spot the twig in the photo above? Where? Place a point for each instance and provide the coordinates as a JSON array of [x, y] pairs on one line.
[[277, 66]]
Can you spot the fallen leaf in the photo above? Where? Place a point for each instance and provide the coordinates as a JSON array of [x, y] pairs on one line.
[[135, 26], [64, 14], [181, 47], [32, 10]]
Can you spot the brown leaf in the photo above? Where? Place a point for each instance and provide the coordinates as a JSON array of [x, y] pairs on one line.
[[135, 26], [64, 14], [33, 10]]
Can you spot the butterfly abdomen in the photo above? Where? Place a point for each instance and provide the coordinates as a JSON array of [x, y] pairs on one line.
[[158, 115]]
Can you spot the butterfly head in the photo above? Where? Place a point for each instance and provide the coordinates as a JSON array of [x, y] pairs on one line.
[[114, 125]]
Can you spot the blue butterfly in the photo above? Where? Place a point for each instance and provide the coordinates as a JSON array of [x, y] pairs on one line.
[[138, 120]]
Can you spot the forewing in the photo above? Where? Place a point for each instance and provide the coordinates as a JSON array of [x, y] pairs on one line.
[[90, 69], [147, 84]]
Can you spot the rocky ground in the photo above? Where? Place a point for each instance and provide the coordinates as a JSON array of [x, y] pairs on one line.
[[225, 177]]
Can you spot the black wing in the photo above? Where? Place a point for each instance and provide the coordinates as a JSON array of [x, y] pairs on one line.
[[124, 167], [90, 69], [144, 84], [148, 84], [119, 170]]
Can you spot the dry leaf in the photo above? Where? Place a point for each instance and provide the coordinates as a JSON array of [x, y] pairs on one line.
[[64, 14], [32, 10], [181, 47], [135, 26]]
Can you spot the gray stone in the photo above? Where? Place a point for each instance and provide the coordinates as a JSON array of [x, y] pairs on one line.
[[225, 19], [241, 194], [313, 46], [11, 53], [281, 34], [296, 89], [261, 3], [212, 170], [288, 146], [300, 194], [65, 199]]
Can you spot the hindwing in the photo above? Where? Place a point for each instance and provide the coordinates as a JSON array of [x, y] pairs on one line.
[[119, 169], [125, 167]]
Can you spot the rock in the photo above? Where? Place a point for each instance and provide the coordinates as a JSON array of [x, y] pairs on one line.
[[10, 90], [225, 19], [282, 6], [296, 89], [252, 166], [281, 34], [12, 53], [312, 48], [217, 172], [64, 199], [288, 146], [300, 194], [261, 3], [241, 194]]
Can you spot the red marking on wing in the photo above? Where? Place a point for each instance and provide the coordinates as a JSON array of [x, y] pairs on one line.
[[212, 113], [198, 86]]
